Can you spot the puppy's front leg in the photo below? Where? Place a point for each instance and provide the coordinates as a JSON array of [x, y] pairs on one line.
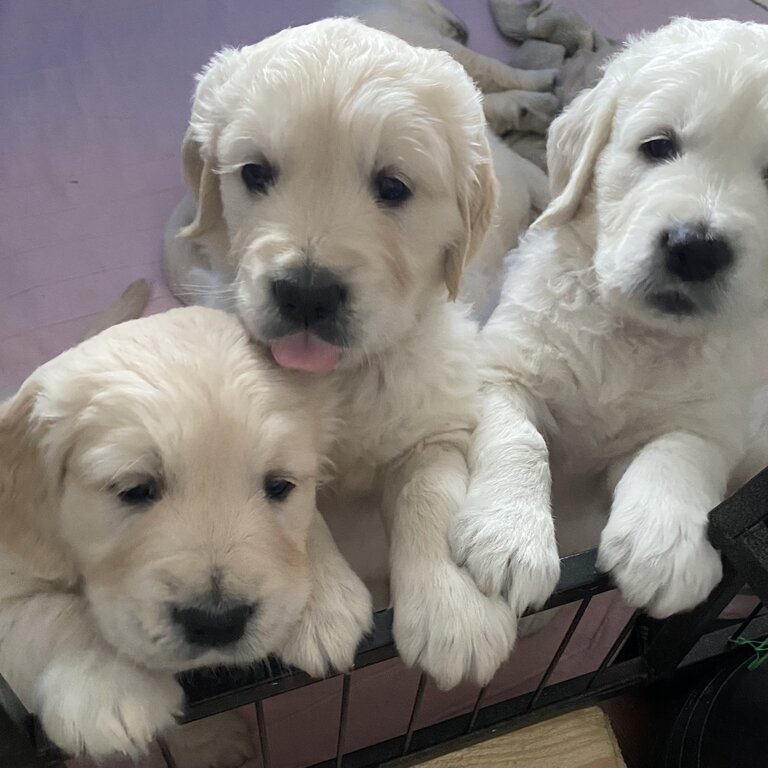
[[504, 533], [338, 613], [442, 621], [492, 75], [89, 700], [655, 543]]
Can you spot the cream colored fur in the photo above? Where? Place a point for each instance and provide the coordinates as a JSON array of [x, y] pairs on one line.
[[329, 105], [517, 103], [199, 269], [582, 373], [88, 581]]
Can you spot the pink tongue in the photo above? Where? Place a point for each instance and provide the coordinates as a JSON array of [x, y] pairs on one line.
[[305, 352]]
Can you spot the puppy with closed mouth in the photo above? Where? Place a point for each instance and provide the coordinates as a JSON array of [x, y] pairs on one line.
[[343, 179], [625, 348], [157, 514]]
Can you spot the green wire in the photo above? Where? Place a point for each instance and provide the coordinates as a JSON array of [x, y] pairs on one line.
[[760, 648]]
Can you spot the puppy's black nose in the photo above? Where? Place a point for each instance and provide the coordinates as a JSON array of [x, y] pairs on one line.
[[694, 253], [213, 626], [308, 297]]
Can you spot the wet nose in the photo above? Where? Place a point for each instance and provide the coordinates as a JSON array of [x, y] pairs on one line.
[[694, 253], [308, 297], [214, 625]]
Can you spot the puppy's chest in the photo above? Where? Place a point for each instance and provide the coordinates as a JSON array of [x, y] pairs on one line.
[[386, 415], [371, 440], [616, 397]]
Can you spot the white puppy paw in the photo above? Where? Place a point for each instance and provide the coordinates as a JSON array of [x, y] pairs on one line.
[[99, 705], [663, 568], [446, 626], [337, 617], [518, 563], [520, 111], [524, 79], [218, 741]]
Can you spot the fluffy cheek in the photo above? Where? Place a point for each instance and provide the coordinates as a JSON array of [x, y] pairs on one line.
[[624, 254], [420, 235], [136, 625], [99, 532], [745, 218], [283, 602], [95, 512], [291, 521], [626, 224], [237, 204]]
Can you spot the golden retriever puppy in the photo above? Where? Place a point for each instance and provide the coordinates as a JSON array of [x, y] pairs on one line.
[[157, 513], [523, 189], [626, 348], [341, 180]]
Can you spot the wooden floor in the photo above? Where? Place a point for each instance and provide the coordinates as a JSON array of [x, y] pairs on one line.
[[581, 739]]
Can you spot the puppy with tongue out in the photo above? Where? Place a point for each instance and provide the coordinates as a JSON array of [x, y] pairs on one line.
[[311, 305], [340, 180], [304, 351]]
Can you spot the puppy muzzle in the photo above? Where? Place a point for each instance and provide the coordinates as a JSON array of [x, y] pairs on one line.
[[689, 270]]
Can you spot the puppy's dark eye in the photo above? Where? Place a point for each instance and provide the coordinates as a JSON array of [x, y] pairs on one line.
[[140, 495], [258, 177], [277, 489], [660, 148], [390, 190]]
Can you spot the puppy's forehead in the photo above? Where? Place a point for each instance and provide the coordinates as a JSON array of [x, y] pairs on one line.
[[199, 400], [698, 92], [337, 79], [165, 385], [372, 125], [333, 52], [212, 430]]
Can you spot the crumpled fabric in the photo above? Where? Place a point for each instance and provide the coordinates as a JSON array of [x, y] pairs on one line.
[[550, 36]]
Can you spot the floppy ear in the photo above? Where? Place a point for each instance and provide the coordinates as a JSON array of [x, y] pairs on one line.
[[576, 139], [29, 493], [477, 196], [203, 185]]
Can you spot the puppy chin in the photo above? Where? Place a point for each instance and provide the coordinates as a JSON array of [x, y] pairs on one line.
[[173, 654], [687, 306], [673, 302], [668, 310], [646, 297], [176, 657], [189, 657]]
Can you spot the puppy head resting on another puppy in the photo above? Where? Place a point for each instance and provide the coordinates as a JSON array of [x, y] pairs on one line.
[[664, 168], [168, 471], [351, 176]]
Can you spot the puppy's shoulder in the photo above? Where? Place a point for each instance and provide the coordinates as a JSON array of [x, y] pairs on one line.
[[442, 354], [545, 295]]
